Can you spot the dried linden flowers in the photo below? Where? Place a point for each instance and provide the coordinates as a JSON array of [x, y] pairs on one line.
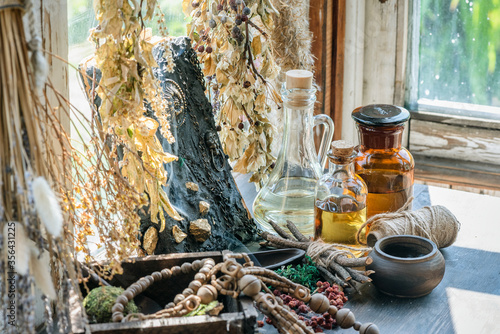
[[233, 43]]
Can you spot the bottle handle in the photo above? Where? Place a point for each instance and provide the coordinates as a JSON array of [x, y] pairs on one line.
[[327, 137]]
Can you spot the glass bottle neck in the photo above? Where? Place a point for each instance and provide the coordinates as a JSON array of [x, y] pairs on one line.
[[344, 169], [386, 137], [298, 157]]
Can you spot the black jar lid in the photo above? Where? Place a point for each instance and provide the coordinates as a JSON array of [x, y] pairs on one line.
[[380, 115]]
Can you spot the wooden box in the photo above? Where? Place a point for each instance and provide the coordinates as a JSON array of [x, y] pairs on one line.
[[238, 316]]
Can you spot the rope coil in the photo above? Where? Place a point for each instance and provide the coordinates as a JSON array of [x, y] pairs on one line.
[[435, 222]]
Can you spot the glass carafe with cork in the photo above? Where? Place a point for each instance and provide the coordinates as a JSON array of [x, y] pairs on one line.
[[385, 166], [290, 190], [340, 208]]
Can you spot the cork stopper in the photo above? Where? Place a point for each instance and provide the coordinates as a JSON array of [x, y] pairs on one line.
[[299, 79], [342, 148]]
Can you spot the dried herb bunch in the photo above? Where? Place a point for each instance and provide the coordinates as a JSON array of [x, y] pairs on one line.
[[334, 263], [232, 38], [124, 57], [34, 167]]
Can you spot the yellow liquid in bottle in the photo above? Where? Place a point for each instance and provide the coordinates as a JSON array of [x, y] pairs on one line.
[[339, 227]]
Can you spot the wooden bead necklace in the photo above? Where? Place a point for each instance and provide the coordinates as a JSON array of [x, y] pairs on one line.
[[235, 279]]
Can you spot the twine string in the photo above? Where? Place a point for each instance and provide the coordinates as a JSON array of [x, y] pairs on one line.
[[317, 248], [436, 223]]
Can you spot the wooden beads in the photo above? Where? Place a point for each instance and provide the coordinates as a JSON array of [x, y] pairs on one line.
[[332, 310], [166, 273], [369, 328], [345, 318], [195, 285], [178, 298], [117, 308], [117, 316], [236, 278], [121, 299], [319, 303], [157, 276], [207, 294], [176, 270], [186, 268], [250, 285], [200, 277]]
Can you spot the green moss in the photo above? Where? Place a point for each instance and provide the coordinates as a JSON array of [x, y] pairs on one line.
[[99, 302], [306, 274]]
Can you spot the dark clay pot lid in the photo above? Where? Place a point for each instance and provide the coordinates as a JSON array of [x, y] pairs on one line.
[[380, 115]]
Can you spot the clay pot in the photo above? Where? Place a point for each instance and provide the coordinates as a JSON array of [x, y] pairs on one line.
[[406, 266]]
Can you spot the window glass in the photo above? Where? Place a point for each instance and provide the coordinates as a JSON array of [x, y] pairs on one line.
[[459, 52]]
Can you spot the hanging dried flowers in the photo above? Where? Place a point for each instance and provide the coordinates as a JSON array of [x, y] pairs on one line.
[[233, 42], [124, 57]]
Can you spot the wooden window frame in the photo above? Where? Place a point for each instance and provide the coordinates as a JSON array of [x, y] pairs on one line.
[[327, 24], [459, 146], [377, 69]]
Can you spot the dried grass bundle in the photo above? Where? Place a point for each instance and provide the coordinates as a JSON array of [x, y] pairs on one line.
[[39, 171], [291, 37], [23, 154]]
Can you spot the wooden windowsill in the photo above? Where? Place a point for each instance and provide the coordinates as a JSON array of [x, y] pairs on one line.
[[457, 172]]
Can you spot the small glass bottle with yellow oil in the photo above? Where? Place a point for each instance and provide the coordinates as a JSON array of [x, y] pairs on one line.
[[340, 207]]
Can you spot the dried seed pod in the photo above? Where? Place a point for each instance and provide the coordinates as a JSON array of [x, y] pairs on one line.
[[345, 318], [332, 310], [250, 285], [319, 303], [357, 325], [207, 294], [187, 291]]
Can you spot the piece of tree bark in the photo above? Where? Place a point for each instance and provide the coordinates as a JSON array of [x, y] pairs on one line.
[[202, 172]]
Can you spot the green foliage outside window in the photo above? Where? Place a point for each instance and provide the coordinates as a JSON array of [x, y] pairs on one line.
[[460, 51]]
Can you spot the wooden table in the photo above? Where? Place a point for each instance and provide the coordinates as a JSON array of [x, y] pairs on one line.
[[468, 298]]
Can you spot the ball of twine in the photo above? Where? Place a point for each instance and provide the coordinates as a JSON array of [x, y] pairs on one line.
[[435, 222]]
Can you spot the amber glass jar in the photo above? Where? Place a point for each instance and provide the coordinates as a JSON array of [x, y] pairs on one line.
[[384, 165]]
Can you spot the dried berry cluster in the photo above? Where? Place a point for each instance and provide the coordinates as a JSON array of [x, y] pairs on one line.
[[318, 322], [233, 44]]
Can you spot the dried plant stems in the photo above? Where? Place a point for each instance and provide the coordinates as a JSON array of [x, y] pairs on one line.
[[27, 152], [340, 269]]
